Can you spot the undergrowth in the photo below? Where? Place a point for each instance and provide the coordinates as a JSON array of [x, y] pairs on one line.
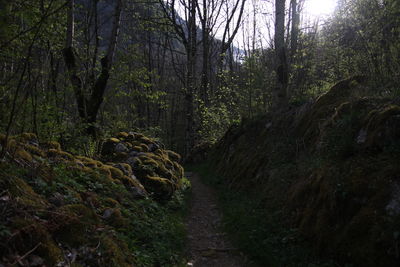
[[259, 232], [118, 226]]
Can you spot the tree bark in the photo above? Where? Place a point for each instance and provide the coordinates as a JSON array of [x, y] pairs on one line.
[[280, 99], [294, 34], [206, 54], [190, 84]]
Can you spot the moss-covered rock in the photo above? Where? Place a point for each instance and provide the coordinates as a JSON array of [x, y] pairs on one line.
[[162, 188], [51, 145], [58, 154], [61, 205]]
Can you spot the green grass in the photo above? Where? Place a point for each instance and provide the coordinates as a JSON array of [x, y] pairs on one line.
[[258, 231]]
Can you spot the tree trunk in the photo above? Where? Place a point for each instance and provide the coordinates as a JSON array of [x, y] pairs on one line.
[[294, 35], [89, 108], [206, 54], [190, 79], [280, 99]]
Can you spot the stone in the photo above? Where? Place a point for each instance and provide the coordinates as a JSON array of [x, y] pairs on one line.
[[153, 147], [120, 147]]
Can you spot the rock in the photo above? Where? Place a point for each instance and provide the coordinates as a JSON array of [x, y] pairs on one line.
[[133, 177], [138, 193], [393, 207], [133, 162], [161, 188], [123, 168], [107, 213], [34, 143], [35, 260], [153, 147], [120, 147], [362, 136], [109, 146], [133, 153]]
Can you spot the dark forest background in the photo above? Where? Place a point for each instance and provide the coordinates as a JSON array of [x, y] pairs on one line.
[[76, 71]]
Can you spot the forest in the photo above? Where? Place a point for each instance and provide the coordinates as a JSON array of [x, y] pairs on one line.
[[123, 121]]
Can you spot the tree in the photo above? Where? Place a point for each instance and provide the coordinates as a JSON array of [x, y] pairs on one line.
[[280, 98], [88, 107]]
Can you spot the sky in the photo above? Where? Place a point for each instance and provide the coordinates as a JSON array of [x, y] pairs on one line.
[[319, 7], [312, 10], [258, 19]]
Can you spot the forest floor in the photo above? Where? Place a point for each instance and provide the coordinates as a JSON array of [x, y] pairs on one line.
[[207, 243]]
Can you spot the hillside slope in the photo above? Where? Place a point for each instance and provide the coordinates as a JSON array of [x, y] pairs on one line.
[[329, 169]]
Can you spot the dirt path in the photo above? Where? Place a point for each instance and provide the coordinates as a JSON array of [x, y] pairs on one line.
[[208, 247]]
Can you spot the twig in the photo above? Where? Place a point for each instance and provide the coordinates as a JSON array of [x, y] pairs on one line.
[[26, 254]]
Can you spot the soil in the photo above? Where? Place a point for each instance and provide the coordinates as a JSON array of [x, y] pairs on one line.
[[207, 244]]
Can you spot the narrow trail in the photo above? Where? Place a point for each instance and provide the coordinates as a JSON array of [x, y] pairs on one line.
[[207, 245]]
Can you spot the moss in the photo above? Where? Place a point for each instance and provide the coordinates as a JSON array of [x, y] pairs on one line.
[[83, 158], [155, 157], [28, 137], [32, 233], [114, 254], [75, 222], [129, 182], [115, 218], [21, 153], [113, 140], [130, 137], [144, 147], [149, 161], [137, 148], [145, 140], [12, 145], [173, 155], [51, 145], [128, 145], [160, 153], [105, 170], [23, 193], [180, 170], [378, 132], [127, 168], [93, 164], [139, 136], [54, 153], [162, 188], [35, 150], [115, 172], [135, 143], [122, 135], [110, 202]]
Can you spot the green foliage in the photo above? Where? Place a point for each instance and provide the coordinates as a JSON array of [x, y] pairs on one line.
[[139, 231]]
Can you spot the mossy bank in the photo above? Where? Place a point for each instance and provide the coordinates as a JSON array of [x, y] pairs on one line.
[[123, 208], [324, 174]]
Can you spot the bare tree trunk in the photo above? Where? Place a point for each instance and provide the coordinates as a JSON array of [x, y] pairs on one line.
[[70, 23], [190, 84], [206, 54], [88, 108], [280, 99], [294, 35]]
